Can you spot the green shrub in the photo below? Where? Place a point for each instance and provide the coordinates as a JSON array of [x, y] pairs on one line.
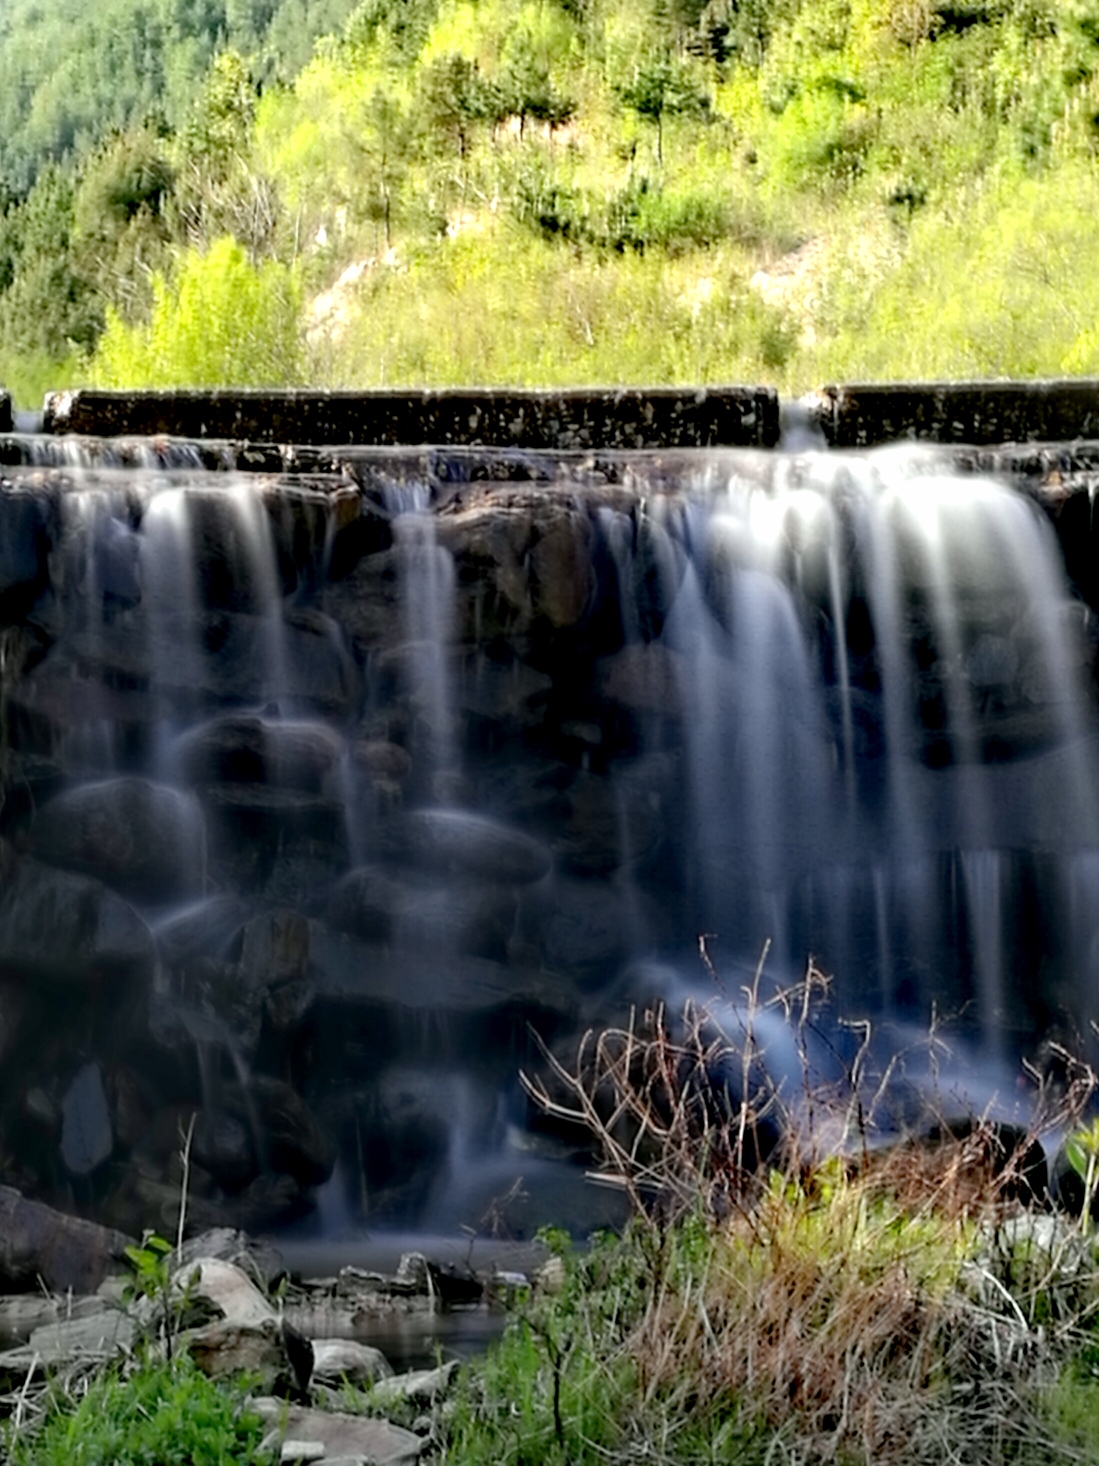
[[160, 1415], [220, 320]]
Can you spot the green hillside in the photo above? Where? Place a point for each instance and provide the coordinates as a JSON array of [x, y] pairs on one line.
[[543, 191]]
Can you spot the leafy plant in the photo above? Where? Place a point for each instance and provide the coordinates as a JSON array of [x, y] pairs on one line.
[[166, 1414], [220, 320]]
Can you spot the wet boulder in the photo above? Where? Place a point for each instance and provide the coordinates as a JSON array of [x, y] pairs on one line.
[[650, 565], [454, 841], [206, 928], [242, 748], [65, 927], [26, 519], [582, 927], [367, 602], [523, 557], [145, 840], [364, 903], [406, 1122], [500, 689], [87, 1135], [221, 999], [593, 825], [459, 914], [40, 1245], [645, 677], [291, 1141], [274, 842], [222, 1145]]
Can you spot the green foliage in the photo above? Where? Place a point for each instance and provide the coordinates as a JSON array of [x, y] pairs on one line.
[[780, 189], [826, 1321], [1021, 247], [50, 309], [660, 85], [452, 96], [532, 313], [220, 320], [73, 73], [159, 1415], [151, 1265]]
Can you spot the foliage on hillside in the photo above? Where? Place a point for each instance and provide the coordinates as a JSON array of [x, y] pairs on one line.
[[536, 191]]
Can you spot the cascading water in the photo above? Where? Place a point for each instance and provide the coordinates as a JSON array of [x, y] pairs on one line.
[[359, 774], [887, 709]]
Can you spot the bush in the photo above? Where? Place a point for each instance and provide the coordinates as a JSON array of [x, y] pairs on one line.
[[823, 1305], [159, 1415], [220, 321]]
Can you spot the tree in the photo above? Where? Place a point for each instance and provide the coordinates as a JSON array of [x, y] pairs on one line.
[[453, 97], [662, 85], [525, 85], [220, 321], [384, 141], [218, 189]]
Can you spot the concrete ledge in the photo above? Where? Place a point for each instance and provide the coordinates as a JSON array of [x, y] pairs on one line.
[[629, 418], [6, 419], [859, 415]]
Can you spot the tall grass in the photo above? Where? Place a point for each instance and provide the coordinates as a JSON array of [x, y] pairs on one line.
[[809, 1298]]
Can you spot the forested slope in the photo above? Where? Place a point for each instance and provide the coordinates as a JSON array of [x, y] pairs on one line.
[[538, 191]]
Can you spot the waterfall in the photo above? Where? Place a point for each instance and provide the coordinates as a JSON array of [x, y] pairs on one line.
[[369, 771]]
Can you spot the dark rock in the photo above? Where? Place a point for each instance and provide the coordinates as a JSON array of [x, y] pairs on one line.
[[364, 904], [454, 1287], [406, 1126], [367, 603], [650, 566], [469, 993], [584, 927], [505, 692], [41, 1246], [25, 534], [277, 842], [275, 949], [270, 1202], [13, 1005], [205, 929], [646, 678], [87, 1137], [592, 824], [65, 927], [146, 840], [292, 1142], [524, 559], [458, 915], [210, 657], [454, 841], [380, 759], [363, 534], [261, 1261], [244, 749], [222, 1144]]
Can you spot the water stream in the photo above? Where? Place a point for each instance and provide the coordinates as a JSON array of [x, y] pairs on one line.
[[480, 753]]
